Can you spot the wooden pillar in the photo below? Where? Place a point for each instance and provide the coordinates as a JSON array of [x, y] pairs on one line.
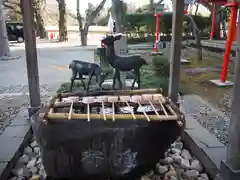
[[4, 50], [31, 53], [230, 169], [231, 31], [157, 31], [233, 155], [175, 53]]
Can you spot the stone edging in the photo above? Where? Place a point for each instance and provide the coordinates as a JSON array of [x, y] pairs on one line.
[[13, 141], [198, 140], [203, 145]]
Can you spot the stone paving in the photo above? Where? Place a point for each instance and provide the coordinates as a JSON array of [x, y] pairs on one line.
[[207, 115], [9, 107], [13, 98], [13, 76]]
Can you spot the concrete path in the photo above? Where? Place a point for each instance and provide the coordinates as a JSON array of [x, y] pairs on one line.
[[53, 71], [52, 62]]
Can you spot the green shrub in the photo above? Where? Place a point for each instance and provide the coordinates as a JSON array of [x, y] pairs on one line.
[[133, 22], [136, 40], [157, 74], [150, 80], [132, 40], [161, 66], [163, 83], [65, 87]]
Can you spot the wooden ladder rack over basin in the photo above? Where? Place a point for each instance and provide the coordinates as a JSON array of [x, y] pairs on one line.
[[109, 129], [160, 107]]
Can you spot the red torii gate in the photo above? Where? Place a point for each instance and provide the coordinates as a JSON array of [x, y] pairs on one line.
[[231, 33], [214, 13], [158, 13]]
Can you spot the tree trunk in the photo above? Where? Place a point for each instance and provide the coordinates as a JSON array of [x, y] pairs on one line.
[[39, 23], [62, 21], [80, 26], [224, 29], [89, 19], [117, 15], [4, 50], [83, 39], [222, 22], [151, 11], [40, 29], [150, 5], [217, 29], [84, 34], [196, 34]]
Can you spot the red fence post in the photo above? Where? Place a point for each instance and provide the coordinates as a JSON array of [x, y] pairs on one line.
[[231, 31], [213, 22], [157, 30]]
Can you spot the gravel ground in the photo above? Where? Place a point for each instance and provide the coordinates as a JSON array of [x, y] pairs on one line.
[[22, 89], [178, 164], [214, 117], [207, 115], [13, 98], [9, 107], [226, 103]]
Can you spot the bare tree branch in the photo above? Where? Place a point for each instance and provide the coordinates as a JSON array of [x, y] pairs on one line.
[[97, 10], [91, 14]]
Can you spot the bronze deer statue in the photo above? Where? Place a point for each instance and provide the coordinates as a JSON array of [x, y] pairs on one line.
[[82, 68], [122, 63]]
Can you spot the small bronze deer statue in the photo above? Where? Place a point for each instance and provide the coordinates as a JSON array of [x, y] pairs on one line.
[[82, 68], [122, 63]]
